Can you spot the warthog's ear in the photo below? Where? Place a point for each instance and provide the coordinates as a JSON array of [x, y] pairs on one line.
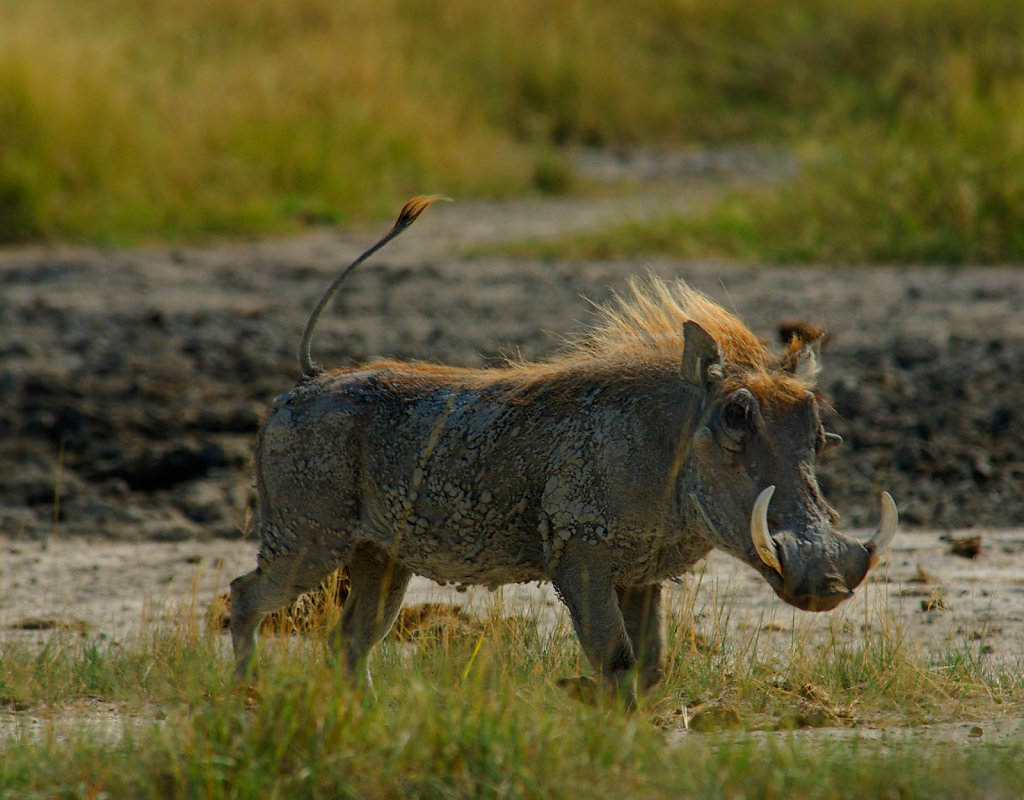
[[805, 364], [702, 360], [830, 441]]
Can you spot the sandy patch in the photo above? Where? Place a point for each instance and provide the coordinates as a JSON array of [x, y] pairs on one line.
[[115, 590]]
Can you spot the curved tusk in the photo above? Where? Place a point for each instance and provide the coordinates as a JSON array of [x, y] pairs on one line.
[[763, 542], [882, 540]]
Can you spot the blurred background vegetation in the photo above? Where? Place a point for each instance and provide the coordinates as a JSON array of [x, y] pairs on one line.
[[158, 120]]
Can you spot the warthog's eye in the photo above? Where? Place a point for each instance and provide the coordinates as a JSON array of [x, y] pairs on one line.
[[738, 421]]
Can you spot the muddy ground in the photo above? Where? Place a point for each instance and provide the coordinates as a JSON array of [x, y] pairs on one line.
[[132, 381]]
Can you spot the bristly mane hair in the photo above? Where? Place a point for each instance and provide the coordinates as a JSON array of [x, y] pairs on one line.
[[644, 329], [638, 336]]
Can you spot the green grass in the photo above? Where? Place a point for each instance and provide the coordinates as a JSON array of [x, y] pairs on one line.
[[949, 195], [910, 130], [462, 714], [126, 120]]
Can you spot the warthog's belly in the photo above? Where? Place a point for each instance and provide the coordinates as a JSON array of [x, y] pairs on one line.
[[443, 570], [461, 537]]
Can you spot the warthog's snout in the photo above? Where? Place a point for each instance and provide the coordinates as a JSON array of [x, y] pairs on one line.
[[816, 602], [818, 573]]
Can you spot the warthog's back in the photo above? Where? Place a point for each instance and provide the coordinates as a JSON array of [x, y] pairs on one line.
[[465, 481]]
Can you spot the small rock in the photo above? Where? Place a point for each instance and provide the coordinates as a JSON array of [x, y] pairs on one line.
[[966, 546], [716, 717]]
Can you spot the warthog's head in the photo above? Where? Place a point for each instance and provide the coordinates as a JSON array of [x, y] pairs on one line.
[[750, 475]]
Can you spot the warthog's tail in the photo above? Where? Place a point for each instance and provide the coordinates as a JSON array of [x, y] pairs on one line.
[[410, 213]]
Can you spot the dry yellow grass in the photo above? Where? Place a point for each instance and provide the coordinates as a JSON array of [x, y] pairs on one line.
[[317, 610], [178, 118], [311, 611]]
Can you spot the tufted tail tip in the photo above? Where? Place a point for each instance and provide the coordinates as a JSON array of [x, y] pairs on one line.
[[412, 209]]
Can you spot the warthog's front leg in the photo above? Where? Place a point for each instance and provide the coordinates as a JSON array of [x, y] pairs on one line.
[[594, 608], [641, 611]]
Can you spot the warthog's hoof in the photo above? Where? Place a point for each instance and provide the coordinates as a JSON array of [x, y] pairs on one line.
[[582, 688], [247, 693], [597, 693]]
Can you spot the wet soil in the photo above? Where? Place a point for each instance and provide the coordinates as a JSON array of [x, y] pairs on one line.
[[132, 381]]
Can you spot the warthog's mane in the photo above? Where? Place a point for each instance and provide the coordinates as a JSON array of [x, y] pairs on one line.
[[638, 336], [641, 331]]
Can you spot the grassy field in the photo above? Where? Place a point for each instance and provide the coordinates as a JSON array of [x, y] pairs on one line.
[[131, 121], [470, 710]]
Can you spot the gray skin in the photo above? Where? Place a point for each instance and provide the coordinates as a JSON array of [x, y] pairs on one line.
[[605, 487]]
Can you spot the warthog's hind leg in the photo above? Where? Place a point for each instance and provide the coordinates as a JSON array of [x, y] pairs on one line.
[[594, 609], [274, 584], [378, 585], [641, 611]]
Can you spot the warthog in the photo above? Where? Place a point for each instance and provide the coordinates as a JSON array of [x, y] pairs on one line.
[[668, 430]]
